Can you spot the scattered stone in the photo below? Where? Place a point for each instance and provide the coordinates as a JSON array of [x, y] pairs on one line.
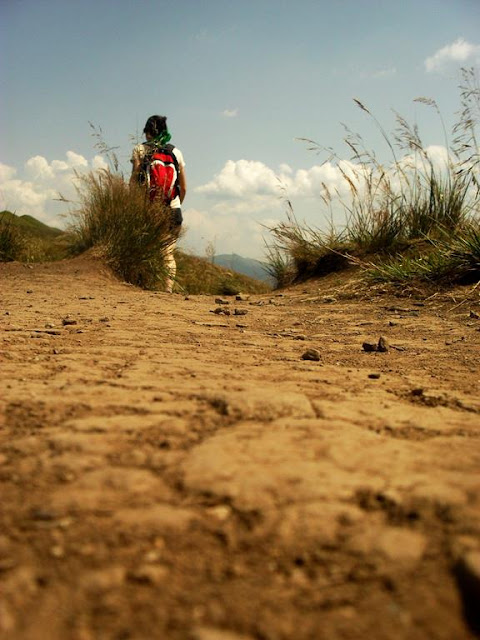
[[312, 354], [418, 392], [221, 310], [44, 514], [475, 315], [241, 326], [240, 312], [221, 301], [29, 291], [102, 580], [57, 551], [68, 321], [329, 300], [374, 376], [383, 345], [104, 319], [220, 512], [392, 323], [211, 324], [153, 556], [242, 297]]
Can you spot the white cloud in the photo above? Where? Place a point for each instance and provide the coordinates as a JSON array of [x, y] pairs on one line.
[[37, 168], [230, 113], [458, 52], [255, 184], [6, 173], [36, 191], [241, 178], [76, 160]]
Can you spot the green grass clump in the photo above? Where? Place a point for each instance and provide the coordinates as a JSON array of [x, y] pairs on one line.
[[12, 242], [448, 260], [414, 201], [131, 233]]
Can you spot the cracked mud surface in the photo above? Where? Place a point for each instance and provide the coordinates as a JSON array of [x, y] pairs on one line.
[[171, 473]]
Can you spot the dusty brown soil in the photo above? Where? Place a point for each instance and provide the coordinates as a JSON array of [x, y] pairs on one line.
[[171, 473]]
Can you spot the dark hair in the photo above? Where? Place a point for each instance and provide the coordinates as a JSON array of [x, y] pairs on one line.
[[155, 125]]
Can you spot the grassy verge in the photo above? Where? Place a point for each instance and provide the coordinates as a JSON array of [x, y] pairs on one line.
[[416, 218]]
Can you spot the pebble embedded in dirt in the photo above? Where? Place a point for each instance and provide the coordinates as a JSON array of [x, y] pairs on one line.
[[68, 321], [381, 346], [221, 301], [240, 312], [312, 354], [221, 311]]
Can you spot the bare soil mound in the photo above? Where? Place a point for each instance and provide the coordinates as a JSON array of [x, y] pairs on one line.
[[186, 468]]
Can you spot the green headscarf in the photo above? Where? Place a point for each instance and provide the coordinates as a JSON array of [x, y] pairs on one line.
[[162, 139]]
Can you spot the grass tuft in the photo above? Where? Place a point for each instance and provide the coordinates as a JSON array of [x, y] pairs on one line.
[[131, 233], [420, 200]]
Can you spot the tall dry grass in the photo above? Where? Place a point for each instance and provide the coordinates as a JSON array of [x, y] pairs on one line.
[[131, 233], [416, 200]]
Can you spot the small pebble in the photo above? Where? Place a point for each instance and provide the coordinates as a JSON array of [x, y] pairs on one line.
[[312, 354]]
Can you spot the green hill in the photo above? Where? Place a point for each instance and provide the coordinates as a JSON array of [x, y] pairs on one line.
[[30, 225]]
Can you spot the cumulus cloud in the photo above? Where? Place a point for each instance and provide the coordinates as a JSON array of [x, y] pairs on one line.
[[230, 113], [254, 182], [36, 190], [458, 52]]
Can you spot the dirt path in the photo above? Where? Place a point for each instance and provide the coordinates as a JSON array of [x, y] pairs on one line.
[[171, 473]]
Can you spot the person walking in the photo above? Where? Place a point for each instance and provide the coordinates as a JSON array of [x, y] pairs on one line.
[[160, 166]]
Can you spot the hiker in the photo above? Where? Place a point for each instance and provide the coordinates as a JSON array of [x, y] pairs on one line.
[[161, 168]]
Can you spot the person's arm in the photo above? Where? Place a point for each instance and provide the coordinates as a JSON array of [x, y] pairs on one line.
[[182, 180], [135, 169]]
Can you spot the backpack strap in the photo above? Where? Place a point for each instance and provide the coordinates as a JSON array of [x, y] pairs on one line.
[[170, 147]]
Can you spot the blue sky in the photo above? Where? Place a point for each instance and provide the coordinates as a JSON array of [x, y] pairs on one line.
[[239, 80]]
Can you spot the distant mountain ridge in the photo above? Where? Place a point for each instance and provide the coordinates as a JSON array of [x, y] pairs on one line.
[[248, 266]]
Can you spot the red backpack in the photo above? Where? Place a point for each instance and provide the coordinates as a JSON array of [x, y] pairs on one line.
[[160, 174]]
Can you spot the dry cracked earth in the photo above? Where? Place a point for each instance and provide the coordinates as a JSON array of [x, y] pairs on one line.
[[172, 472]]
